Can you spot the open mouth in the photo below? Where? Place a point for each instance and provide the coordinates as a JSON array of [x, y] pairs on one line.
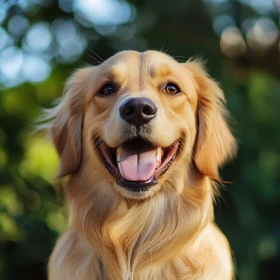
[[137, 164]]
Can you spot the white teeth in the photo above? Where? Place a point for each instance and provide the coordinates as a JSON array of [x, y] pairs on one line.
[[120, 168], [158, 154], [119, 154]]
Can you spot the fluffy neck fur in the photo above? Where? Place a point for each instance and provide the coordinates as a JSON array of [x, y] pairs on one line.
[[134, 238]]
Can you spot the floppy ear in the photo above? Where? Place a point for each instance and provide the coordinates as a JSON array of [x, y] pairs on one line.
[[66, 127], [215, 143]]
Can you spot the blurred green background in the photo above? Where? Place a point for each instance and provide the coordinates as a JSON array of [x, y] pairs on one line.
[[43, 41]]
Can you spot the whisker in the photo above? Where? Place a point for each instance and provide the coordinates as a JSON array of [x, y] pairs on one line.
[[166, 51], [161, 49], [101, 60]]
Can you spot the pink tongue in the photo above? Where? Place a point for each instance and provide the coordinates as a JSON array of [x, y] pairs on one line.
[[137, 164]]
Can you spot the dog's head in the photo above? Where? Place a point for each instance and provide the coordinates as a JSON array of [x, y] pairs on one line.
[[139, 119]]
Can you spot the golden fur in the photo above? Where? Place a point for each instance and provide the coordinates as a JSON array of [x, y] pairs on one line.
[[167, 232]]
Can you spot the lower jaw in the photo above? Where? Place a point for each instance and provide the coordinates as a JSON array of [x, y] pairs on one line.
[[136, 187]]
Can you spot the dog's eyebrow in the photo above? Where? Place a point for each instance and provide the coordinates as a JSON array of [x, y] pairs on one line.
[[162, 71], [118, 71], [113, 74]]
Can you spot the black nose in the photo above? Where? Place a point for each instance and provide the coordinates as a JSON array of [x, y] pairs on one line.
[[138, 111]]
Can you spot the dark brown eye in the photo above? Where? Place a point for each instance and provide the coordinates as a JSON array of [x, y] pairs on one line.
[[108, 89], [172, 88]]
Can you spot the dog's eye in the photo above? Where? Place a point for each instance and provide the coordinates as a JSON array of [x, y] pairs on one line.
[[172, 88], [108, 89]]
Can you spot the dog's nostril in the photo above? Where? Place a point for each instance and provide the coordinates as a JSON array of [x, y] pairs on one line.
[[138, 111], [127, 110], [149, 110]]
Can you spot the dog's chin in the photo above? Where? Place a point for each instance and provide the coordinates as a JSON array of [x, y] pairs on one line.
[[141, 194], [138, 165]]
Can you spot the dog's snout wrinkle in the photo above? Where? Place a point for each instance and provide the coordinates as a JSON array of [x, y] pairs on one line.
[[138, 111]]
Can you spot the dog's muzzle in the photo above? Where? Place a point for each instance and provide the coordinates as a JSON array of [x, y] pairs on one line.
[[138, 163]]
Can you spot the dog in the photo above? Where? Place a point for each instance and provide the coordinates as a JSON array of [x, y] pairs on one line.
[[141, 138]]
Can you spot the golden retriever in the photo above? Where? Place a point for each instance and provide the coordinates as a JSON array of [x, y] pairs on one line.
[[142, 138]]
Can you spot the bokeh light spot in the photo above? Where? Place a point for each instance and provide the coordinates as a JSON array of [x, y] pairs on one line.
[[232, 42], [39, 37], [17, 25], [66, 5], [267, 247], [101, 12], [222, 22], [35, 69], [263, 34], [71, 43], [41, 158], [5, 39], [10, 62]]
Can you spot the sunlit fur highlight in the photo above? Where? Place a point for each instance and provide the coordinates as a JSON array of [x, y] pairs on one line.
[[168, 234]]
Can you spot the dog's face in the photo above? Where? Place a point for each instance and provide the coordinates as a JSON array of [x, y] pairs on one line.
[[148, 107], [139, 119]]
